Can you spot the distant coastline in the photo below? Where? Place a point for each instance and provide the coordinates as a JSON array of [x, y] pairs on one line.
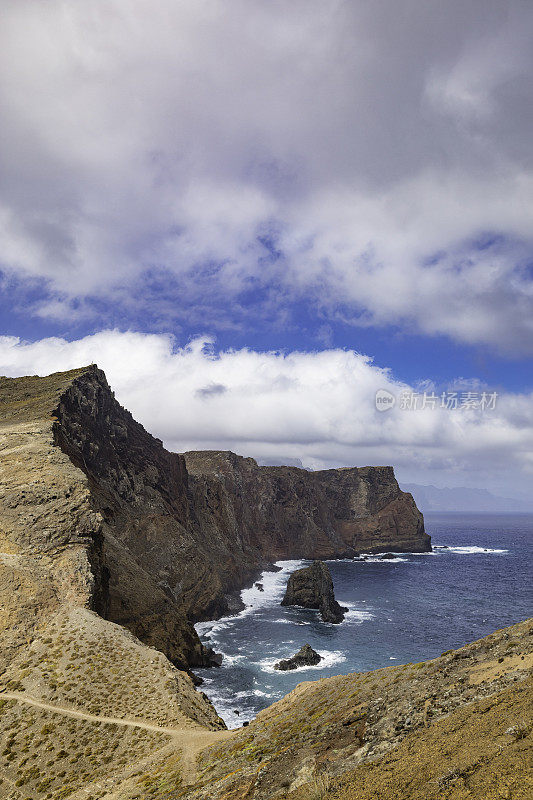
[[464, 500]]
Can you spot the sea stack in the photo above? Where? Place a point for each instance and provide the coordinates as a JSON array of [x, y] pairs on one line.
[[312, 587], [305, 657]]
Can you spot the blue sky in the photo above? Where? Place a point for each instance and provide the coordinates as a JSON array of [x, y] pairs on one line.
[[412, 357], [313, 177]]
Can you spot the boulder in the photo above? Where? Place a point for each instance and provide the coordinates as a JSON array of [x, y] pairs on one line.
[[312, 587], [213, 659], [305, 657]]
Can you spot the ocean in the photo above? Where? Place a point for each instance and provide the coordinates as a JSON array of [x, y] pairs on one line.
[[406, 609]]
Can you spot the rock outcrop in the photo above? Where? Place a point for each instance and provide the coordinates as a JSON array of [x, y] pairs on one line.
[[312, 587], [154, 540], [305, 657], [64, 575]]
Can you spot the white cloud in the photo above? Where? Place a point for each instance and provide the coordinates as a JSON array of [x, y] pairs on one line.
[[319, 407], [367, 137]]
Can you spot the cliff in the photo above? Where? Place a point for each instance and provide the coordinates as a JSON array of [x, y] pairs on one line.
[[248, 516], [151, 539], [83, 680], [293, 513]]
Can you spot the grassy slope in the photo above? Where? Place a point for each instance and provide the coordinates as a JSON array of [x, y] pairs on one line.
[[478, 752], [401, 729]]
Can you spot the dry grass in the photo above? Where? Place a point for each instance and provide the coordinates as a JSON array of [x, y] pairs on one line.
[[473, 753], [319, 787], [85, 662], [50, 756]]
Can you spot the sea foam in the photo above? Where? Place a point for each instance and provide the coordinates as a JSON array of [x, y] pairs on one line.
[[329, 659], [254, 599], [467, 549]]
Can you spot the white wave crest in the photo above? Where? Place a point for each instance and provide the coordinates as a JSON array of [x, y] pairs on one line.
[[376, 559], [272, 587], [329, 659], [467, 549], [356, 616]]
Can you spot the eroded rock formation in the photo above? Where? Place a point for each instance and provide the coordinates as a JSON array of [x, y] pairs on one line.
[[312, 587], [305, 657]]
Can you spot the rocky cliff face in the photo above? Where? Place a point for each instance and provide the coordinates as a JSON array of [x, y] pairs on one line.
[[252, 515], [151, 539], [63, 576]]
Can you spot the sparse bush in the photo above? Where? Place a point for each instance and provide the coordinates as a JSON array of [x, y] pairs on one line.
[[319, 787], [519, 731]]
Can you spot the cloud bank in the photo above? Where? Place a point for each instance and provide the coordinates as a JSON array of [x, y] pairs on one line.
[[371, 158], [318, 407]]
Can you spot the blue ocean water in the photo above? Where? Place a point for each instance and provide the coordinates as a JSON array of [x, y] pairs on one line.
[[414, 607]]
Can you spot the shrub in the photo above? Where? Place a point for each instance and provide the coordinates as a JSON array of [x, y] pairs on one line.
[[319, 787]]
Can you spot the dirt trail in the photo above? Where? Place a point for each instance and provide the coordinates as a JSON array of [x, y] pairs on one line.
[[189, 740]]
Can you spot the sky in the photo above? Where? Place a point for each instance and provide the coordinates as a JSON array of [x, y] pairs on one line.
[[254, 216]]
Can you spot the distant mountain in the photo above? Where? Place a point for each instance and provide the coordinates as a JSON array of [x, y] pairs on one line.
[[459, 498]]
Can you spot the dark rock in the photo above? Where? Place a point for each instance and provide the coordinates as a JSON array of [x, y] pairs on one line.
[[388, 556], [232, 604], [260, 587], [312, 587], [213, 659], [305, 657]]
